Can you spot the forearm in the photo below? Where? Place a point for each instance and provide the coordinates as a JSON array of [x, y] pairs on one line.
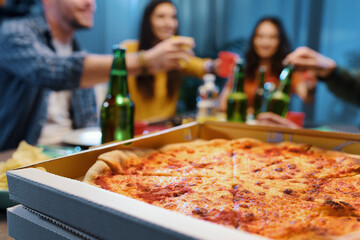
[[96, 69], [344, 85], [198, 67], [133, 64]]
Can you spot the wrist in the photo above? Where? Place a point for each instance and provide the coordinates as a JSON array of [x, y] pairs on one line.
[[328, 70], [209, 66], [143, 62]]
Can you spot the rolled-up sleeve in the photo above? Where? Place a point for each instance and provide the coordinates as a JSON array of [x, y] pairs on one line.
[[25, 55], [195, 67]]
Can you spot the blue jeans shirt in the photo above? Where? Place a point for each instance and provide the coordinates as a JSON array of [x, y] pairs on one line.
[[29, 70]]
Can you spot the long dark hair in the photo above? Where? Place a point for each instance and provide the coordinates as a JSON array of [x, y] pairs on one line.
[[253, 60], [147, 40]]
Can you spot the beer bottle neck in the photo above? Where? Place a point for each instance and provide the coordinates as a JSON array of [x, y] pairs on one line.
[[239, 79], [118, 75], [285, 80], [262, 79]]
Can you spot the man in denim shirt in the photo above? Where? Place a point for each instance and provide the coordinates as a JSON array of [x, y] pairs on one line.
[[31, 68]]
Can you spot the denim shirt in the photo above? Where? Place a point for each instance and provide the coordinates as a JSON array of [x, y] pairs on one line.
[[29, 69]]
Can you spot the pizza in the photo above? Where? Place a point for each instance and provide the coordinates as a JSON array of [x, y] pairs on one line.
[[280, 191]]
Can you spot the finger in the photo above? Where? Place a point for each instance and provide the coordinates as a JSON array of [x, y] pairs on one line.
[[184, 42], [301, 52], [307, 63], [172, 64], [177, 56], [276, 124], [274, 119], [178, 49], [266, 123]]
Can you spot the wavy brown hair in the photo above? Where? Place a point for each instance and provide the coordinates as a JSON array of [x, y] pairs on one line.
[[253, 60], [147, 40]]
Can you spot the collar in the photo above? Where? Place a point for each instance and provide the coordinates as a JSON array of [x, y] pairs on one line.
[[44, 29]]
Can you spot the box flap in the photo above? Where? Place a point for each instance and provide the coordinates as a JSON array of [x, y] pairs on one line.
[[338, 141]]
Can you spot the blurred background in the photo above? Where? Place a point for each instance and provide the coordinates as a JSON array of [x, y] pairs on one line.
[[328, 26]]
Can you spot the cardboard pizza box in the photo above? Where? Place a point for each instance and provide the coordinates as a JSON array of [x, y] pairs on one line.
[[27, 224], [59, 193]]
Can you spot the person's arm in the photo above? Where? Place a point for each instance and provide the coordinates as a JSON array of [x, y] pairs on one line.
[[164, 56], [304, 58], [25, 56], [338, 80], [96, 69], [344, 85]]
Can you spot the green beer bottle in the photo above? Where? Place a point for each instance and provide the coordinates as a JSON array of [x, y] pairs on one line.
[[117, 111], [259, 95], [279, 100], [237, 100]]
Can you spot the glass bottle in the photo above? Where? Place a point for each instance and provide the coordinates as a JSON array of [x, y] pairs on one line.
[[279, 100], [207, 101], [259, 95], [117, 111], [237, 100]]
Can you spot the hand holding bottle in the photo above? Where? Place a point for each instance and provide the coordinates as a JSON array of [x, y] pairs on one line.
[[168, 54], [304, 58]]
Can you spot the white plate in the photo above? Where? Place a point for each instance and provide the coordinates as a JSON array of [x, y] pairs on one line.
[[86, 137]]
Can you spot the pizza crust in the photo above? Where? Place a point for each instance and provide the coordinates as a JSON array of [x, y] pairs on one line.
[[118, 160], [100, 168]]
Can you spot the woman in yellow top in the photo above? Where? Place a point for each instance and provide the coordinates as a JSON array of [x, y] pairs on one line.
[[155, 93]]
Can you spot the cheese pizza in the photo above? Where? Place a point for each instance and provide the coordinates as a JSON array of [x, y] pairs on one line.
[[280, 191]]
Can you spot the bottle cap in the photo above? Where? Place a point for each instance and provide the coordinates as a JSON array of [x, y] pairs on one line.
[[117, 47], [209, 77]]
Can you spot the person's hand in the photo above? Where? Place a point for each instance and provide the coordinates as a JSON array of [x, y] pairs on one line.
[[272, 119], [305, 58], [305, 87], [169, 54]]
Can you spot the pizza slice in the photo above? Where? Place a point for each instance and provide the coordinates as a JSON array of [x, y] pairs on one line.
[[292, 160], [288, 209], [208, 199], [197, 159], [267, 208]]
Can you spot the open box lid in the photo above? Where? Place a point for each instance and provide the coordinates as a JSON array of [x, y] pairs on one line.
[[103, 214], [76, 165]]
